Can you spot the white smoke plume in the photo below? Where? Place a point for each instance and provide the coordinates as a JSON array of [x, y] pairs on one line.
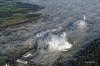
[[81, 24], [58, 43]]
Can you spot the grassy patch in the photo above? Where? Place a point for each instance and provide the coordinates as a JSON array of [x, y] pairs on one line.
[[2, 59], [8, 6]]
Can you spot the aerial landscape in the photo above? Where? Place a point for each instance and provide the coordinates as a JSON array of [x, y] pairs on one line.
[[49, 32]]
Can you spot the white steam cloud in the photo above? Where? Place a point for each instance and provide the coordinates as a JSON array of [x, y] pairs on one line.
[[81, 24], [58, 43]]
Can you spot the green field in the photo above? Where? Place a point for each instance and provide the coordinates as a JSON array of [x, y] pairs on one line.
[[11, 14]]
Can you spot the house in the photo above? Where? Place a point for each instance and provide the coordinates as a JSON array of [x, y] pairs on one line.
[[22, 61], [27, 55]]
